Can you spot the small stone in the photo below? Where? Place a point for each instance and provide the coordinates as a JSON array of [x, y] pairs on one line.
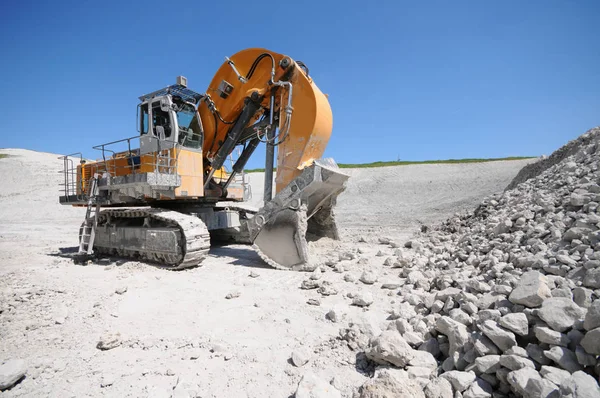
[[537, 354], [254, 274], [363, 299], [560, 313], [234, 294], [564, 357], [349, 278], [327, 289], [582, 297], [300, 357], [584, 358], [311, 386], [488, 363], [438, 388], [419, 372], [541, 388], [516, 322], [431, 346], [591, 342], [592, 278], [460, 316], [390, 286], [460, 380], [334, 315], [515, 362], [423, 359], [413, 338], [499, 336], [121, 290], [108, 341], [592, 317], [518, 379], [368, 277], [549, 336], [313, 301], [479, 389], [554, 375], [11, 372], [107, 380], [309, 284], [564, 259]]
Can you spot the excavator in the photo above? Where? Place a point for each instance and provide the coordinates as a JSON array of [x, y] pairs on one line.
[[163, 194]]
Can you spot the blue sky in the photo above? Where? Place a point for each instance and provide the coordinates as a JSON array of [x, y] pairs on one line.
[[410, 80]]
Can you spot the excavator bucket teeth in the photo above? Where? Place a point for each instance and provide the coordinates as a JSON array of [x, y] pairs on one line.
[[303, 209]]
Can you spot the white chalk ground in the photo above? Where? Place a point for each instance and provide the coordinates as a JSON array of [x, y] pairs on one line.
[[177, 328]]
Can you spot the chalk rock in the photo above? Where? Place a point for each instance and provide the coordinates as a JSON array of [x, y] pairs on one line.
[[300, 357], [390, 348], [503, 338], [488, 363], [121, 290], [363, 299], [549, 336], [368, 277], [560, 313], [516, 322], [311, 386], [531, 290], [11, 372], [591, 342], [518, 379], [592, 317], [460, 380], [592, 278], [438, 388], [457, 333], [564, 357], [386, 384], [554, 375], [515, 362], [108, 341], [579, 385], [479, 389]]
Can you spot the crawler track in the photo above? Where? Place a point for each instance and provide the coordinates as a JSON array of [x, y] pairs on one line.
[[193, 236]]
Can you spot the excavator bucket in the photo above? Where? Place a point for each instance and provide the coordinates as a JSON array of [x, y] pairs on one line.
[[300, 211]]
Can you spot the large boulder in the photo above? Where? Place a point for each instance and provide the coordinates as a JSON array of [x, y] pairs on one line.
[[390, 348], [457, 333], [561, 313], [580, 385], [531, 291]]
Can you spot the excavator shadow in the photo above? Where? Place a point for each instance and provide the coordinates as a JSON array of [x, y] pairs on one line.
[[72, 253], [244, 255]]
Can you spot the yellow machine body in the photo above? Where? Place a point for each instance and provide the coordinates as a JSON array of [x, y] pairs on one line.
[[311, 125]]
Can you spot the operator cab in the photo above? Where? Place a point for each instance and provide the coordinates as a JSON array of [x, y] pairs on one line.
[[168, 117]]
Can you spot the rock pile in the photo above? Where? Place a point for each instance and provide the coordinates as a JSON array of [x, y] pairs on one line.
[[504, 301]]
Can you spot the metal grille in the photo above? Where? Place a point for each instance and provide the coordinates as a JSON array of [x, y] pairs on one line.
[[176, 90]]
